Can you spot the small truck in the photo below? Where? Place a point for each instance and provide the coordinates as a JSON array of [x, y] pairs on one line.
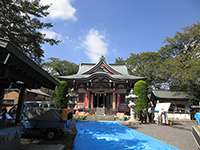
[[37, 120]]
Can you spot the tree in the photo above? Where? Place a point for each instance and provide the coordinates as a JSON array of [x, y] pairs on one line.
[[58, 67], [21, 23], [175, 66], [145, 64], [140, 89], [120, 61], [186, 42], [182, 56], [60, 94]]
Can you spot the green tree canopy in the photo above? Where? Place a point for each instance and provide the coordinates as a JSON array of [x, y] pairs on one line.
[[140, 89], [58, 67], [182, 56], [145, 64], [176, 64], [59, 95], [21, 23]]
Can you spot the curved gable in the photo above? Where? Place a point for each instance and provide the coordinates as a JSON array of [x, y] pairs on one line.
[[102, 66]]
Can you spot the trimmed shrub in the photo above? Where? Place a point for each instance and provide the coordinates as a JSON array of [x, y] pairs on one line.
[[59, 95], [140, 89]]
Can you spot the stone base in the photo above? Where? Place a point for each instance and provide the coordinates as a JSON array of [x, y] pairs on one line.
[[133, 123]]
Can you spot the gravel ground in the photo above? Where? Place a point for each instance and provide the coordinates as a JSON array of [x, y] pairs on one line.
[[179, 135]]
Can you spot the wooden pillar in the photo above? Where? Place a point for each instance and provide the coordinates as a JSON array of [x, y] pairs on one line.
[[118, 101], [20, 104], [114, 101], [97, 100], [104, 101], [77, 98], [1, 95], [92, 101], [88, 95], [86, 100]]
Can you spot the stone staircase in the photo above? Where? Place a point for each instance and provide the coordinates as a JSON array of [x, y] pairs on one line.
[[100, 111], [100, 115], [101, 118]]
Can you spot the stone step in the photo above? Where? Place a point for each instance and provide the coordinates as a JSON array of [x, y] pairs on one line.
[[100, 117]]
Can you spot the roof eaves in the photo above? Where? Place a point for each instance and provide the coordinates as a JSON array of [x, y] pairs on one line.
[[20, 55], [171, 94]]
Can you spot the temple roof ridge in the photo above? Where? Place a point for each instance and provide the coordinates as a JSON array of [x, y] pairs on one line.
[[88, 68], [102, 64]]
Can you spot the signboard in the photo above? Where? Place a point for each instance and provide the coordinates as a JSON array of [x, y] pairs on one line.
[[162, 107]]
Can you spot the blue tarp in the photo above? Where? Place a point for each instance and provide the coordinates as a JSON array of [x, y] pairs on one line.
[[114, 136], [197, 117]]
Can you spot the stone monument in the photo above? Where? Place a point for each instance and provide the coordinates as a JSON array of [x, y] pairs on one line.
[[132, 99]]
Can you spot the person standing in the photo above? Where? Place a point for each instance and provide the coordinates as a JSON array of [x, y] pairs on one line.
[[144, 115], [160, 117], [150, 114]]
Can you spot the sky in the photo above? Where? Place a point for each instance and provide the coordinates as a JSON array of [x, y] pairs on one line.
[[89, 29]]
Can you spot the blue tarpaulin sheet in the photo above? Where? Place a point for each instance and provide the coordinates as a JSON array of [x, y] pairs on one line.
[[197, 117], [114, 136]]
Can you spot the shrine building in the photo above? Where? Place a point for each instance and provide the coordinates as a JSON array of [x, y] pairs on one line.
[[102, 86]]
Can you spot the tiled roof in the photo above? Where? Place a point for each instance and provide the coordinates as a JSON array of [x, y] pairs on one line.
[[86, 67], [112, 71], [171, 94]]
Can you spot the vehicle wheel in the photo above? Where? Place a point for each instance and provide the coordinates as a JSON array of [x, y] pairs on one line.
[[51, 134]]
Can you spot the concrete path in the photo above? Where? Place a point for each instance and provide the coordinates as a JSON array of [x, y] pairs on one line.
[[179, 135]]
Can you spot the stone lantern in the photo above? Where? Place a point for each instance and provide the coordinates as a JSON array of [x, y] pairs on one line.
[[132, 100]]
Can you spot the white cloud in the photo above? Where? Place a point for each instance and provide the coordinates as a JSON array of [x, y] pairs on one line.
[[51, 34], [95, 45], [60, 9]]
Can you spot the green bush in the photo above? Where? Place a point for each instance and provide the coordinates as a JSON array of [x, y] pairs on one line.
[[140, 89], [59, 95]]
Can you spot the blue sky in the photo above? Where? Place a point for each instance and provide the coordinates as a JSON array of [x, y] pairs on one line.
[[114, 28]]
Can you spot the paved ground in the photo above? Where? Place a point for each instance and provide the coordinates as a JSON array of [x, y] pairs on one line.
[[42, 147], [62, 143], [179, 135]]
